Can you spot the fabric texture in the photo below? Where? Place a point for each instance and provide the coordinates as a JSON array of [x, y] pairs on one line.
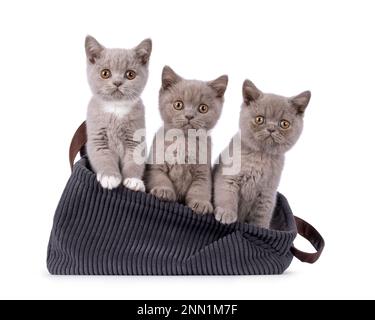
[[122, 232]]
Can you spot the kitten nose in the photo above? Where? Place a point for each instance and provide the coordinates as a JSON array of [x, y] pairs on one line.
[[271, 130], [117, 83], [189, 116]]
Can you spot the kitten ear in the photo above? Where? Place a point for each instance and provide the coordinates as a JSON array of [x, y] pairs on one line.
[[250, 92], [219, 85], [301, 101], [93, 49], [169, 77], [143, 51]]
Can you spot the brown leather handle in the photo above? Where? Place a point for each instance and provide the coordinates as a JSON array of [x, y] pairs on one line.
[[78, 144], [313, 236]]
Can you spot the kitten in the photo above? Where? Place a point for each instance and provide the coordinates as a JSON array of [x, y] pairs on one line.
[[269, 126], [117, 78], [186, 106]]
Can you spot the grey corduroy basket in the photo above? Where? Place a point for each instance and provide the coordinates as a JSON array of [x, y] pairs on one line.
[[121, 232]]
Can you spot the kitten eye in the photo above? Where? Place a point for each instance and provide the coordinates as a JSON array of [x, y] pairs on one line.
[[285, 124], [259, 120], [130, 74], [178, 105], [203, 108], [105, 73]]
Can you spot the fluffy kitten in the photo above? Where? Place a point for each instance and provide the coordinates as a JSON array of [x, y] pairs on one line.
[[186, 104], [269, 126], [117, 78]]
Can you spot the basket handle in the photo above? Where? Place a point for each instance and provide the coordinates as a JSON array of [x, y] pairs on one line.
[[78, 144], [313, 236]]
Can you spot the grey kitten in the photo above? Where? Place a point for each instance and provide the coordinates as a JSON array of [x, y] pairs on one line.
[[117, 78], [185, 105], [269, 126]]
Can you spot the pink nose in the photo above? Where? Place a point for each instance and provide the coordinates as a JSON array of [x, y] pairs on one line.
[[117, 83]]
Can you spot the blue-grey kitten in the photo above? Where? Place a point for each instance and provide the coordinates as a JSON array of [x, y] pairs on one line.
[[186, 106], [115, 113], [269, 126]]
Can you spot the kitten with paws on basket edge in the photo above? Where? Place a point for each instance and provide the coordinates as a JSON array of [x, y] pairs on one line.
[[270, 125], [189, 109], [117, 78]]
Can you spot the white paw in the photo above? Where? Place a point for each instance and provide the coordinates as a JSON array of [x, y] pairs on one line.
[[225, 216], [134, 184], [108, 182], [199, 206]]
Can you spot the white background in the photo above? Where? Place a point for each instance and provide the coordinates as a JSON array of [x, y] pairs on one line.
[[285, 47]]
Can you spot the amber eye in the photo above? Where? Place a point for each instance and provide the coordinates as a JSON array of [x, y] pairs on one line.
[[105, 73], [178, 105], [130, 74], [285, 124], [203, 108], [259, 120]]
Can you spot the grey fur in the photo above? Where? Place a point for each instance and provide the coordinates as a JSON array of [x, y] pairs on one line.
[[250, 196], [114, 116], [189, 183]]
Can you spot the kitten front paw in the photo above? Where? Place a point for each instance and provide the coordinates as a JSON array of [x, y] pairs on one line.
[[134, 184], [108, 181], [165, 194], [225, 216], [202, 207]]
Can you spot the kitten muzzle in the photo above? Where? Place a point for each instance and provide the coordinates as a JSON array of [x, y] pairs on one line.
[[118, 93]]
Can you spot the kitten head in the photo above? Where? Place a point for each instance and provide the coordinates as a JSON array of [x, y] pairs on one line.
[[269, 122], [117, 74], [190, 104]]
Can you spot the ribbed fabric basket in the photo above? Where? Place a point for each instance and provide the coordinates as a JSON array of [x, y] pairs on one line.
[[121, 232]]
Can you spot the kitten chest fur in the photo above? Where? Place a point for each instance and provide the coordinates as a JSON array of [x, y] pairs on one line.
[[182, 175], [118, 109], [260, 172], [113, 123]]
